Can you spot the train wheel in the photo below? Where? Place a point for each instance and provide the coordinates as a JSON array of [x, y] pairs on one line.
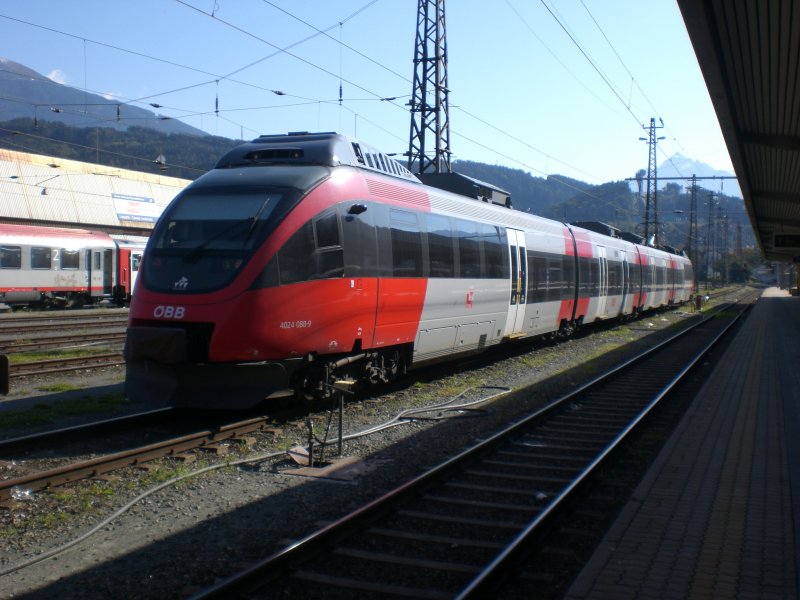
[[385, 366], [76, 301], [395, 364]]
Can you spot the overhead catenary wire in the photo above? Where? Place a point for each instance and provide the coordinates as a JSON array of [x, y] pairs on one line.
[[590, 61], [215, 77], [218, 78]]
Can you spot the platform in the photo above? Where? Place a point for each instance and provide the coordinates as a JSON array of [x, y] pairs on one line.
[[718, 513]]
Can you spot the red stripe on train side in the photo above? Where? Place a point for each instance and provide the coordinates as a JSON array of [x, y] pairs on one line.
[[644, 298], [566, 310], [325, 316], [400, 303], [637, 296]]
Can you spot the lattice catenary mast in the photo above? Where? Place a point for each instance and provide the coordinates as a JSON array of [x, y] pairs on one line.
[[429, 100], [651, 198]]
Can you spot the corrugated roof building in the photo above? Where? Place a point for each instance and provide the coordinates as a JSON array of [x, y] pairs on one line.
[[43, 190]]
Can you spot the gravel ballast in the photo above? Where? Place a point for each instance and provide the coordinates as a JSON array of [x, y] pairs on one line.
[[188, 535]]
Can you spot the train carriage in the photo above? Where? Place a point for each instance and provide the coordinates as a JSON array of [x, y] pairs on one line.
[[305, 259], [61, 267]]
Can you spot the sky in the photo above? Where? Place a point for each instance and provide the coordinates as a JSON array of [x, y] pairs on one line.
[[547, 86]]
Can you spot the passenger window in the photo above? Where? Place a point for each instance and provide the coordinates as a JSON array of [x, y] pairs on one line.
[[469, 253], [537, 278], [440, 246], [41, 258], [70, 259], [10, 257], [406, 244], [495, 250], [568, 264]]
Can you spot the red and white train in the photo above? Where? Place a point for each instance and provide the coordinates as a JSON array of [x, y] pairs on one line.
[[54, 267], [306, 259]]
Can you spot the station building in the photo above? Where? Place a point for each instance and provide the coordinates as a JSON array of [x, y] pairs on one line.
[[55, 192]]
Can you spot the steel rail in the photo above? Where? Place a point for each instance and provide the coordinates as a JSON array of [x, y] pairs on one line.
[[289, 558], [134, 456], [62, 365], [15, 327], [60, 341], [47, 438], [488, 577]]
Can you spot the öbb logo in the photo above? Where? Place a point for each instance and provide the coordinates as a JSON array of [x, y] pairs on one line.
[[169, 312]]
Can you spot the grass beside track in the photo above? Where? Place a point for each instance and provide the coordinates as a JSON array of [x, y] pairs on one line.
[[53, 413]]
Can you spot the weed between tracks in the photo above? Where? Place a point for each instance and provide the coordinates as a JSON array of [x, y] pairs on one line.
[[50, 509], [18, 358]]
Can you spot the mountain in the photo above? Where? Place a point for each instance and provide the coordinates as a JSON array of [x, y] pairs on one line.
[[679, 165], [24, 93], [528, 193]]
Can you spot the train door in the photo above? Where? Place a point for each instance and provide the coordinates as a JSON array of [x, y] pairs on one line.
[[135, 259], [89, 273], [97, 273], [519, 283], [108, 271], [602, 284]]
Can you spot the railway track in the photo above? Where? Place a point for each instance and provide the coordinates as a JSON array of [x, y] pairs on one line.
[[19, 335], [13, 325], [63, 365], [61, 341], [48, 439], [206, 438], [452, 532]]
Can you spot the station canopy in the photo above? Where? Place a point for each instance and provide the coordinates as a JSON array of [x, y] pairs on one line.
[[749, 53]]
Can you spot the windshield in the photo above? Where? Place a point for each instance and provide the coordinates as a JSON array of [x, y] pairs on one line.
[[207, 235], [208, 220]]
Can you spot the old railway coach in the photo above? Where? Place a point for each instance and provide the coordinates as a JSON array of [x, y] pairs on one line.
[[302, 259], [60, 267]]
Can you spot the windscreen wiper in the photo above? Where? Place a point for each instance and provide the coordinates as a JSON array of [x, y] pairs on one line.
[[198, 250]]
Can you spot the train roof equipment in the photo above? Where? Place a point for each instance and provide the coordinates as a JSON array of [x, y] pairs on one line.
[[467, 186], [598, 227], [333, 149], [633, 238], [303, 148]]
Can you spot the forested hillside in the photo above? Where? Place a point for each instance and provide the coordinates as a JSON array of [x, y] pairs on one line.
[[137, 149], [556, 196]]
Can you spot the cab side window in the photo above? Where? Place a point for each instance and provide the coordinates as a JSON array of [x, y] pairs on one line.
[[313, 252]]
